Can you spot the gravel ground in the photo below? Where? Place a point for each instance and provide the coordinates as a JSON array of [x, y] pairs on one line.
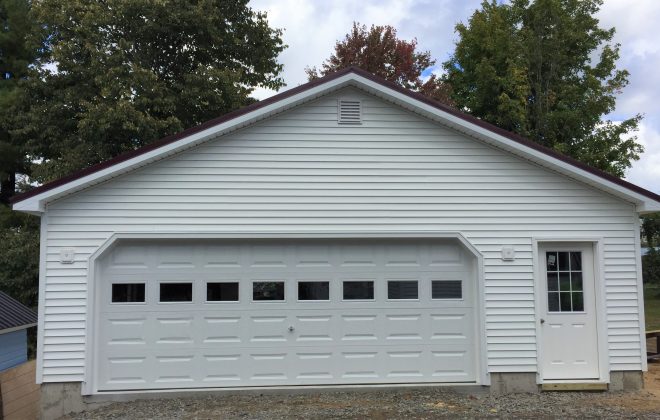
[[427, 403], [420, 403]]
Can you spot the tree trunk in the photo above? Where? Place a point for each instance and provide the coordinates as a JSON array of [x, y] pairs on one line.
[[7, 187]]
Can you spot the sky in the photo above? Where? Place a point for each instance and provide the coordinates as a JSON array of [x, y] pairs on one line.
[[312, 27]]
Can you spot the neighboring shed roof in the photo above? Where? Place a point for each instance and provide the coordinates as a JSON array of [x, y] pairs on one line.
[[33, 200], [14, 315]]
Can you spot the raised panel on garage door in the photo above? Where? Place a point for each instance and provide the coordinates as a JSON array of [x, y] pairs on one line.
[[264, 333]]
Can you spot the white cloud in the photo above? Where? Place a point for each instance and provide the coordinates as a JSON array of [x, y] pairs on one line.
[[636, 30], [311, 28], [635, 23]]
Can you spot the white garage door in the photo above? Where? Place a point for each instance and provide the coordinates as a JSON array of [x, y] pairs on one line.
[[208, 314]]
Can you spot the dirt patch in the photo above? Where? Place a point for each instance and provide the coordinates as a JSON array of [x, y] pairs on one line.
[[645, 401], [652, 378]]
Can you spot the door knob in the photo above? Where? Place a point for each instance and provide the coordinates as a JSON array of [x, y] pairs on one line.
[[542, 321]]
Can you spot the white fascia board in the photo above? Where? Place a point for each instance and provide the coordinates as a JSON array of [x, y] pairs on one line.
[[20, 327], [30, 209], [646, 208], [644, 204], [36, 204]]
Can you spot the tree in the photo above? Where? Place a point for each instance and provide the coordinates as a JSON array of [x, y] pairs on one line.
[[379, 51], [124, 73], [651, 229], [19, 261], [546, 70], [111, 77], [651, 267], [651, 235], [20, 44]]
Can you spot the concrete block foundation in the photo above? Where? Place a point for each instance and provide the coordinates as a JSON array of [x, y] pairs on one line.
[[61, 398], [513, 383], [626, 380]]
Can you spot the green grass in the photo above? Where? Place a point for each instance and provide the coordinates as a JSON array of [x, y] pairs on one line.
[[652, 307]]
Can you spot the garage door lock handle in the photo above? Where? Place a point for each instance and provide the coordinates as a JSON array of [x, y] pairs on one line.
[[291, 328]]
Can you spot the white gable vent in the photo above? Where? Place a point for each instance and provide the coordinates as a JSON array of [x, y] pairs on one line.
[[350, 111]]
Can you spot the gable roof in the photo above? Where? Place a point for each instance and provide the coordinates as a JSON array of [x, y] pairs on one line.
[[14, 315], [34, 201]]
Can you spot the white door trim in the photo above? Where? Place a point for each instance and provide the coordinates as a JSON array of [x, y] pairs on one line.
[[89, 387], [601, 307]]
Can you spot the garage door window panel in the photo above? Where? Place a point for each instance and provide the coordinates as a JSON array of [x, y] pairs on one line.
[[447, 290], [265, 291], [128, 293], [176, 292], [222, 292], [313, 291], [402, 290], [358, 290]]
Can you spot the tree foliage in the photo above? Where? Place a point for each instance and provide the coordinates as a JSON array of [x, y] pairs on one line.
[[651, 267], [20, 45], [124, 73], [379, 51], [21, 42], [19, 259], [651, 236], [84, 80], [651, 229], [546, 70]]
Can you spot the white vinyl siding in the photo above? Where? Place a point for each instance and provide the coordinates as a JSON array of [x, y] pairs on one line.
[[303, 172]]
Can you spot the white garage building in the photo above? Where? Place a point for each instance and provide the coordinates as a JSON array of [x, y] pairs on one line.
[[346, 231]]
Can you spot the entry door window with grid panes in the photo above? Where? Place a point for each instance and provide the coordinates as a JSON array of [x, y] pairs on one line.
[[564, 271]]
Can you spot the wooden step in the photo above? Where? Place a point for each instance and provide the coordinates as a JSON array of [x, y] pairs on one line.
[[580, 386]]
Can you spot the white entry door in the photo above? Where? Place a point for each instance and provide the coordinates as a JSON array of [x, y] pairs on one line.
[[569, 336]]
